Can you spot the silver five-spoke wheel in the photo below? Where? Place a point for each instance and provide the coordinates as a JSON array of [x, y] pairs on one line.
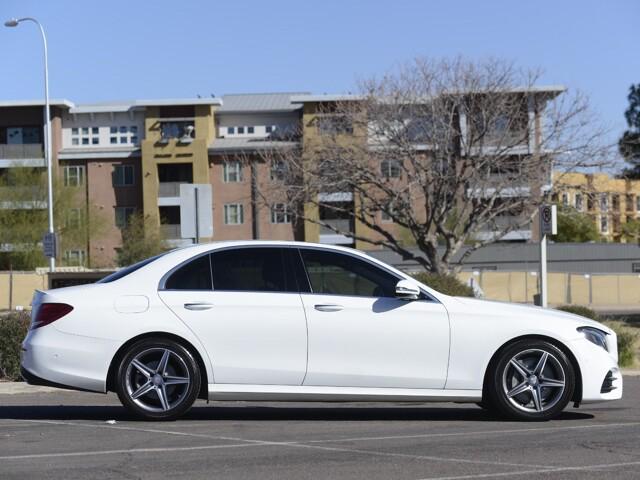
[[530, 379], [158, 379], [534, 380]]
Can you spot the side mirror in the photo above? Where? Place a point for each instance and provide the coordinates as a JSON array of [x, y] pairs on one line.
[[407, 290]]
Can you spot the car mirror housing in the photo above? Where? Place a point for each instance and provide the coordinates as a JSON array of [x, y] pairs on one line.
[[407, 290]]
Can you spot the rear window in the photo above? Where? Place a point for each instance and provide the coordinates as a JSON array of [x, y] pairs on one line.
[[123, 272]]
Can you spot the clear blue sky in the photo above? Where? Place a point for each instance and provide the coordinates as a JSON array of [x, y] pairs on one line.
[[157, 48]]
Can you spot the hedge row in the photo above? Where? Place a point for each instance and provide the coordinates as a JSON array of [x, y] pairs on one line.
[[13, 329]]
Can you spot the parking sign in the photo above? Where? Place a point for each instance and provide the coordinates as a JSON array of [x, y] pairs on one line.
[[548, 220], [49, 245]]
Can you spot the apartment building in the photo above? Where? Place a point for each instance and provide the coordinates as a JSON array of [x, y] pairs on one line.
[[610, 202], [134, 156]]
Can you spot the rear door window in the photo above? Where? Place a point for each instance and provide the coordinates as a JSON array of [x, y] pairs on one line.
[[262, 269]]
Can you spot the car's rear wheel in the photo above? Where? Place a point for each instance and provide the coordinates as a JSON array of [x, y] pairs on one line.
[[158, 379], [532, 380]]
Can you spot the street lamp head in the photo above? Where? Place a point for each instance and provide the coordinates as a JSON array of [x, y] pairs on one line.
[[13, 22]]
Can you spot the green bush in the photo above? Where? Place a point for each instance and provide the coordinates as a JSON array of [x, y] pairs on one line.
[[580, 310], [445, 283], [13, 329], [626, 343]]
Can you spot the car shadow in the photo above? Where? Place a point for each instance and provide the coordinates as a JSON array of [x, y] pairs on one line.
[[271, 413]]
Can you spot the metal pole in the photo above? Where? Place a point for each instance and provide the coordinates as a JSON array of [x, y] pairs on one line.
[[47, 128], [543, 271], [195, 190]]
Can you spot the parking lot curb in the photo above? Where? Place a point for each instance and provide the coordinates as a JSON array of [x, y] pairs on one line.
[[12, 388]]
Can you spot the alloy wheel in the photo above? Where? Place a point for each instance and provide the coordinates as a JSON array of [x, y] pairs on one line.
[[157, 379], [534, 381]]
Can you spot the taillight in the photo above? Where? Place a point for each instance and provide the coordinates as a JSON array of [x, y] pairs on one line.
[[50, 312]]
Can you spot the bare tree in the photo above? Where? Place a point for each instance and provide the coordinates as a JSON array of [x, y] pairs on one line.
[[434, 157]]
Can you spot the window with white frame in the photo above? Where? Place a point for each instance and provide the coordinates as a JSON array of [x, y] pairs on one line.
[[73, 218], [604, 202], [280, 213], [233, 214], [390, 168], [278, 170], [565, 199], [74, 257], [123, 214], [385, 215], [604, 223], [123, 176], [232, 172], [123, 135], [270, 128], [83, 136], [579, 202], [73, 175]]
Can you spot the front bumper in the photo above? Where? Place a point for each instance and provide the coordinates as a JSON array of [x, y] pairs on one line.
[[599, 369], [50, 357]]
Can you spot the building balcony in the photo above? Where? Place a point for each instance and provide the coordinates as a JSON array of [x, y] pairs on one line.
[[170, 231], [329, 236], [21, 155]]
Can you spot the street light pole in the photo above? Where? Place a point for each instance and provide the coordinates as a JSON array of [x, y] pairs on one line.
[[47, 129]]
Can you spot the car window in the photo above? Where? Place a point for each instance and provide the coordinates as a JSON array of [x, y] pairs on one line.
[[251, 269], [194, 275], [123, 272], [340, 274]]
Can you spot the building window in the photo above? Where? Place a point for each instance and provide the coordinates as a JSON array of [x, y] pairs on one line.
[[604, 202], [629, 203], [604, 223], [390, 168], [240, 130], [232, 172], [638, 203], [334, 124], [122, 216], [73, 175], [278, 170], [233, 214], [183, 129], [269, 128], [74, 218], [386, 216], [579, 203], [123, 176], [74, 257], [231, 130], [615, 202], [113, 140], [280, 213], [565, 199], [591, 201], [250, 130], [85, 136]]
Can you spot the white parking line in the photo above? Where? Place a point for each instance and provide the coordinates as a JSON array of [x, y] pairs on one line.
[[477, 432], [118, 452], [293, 444], [537, 472]]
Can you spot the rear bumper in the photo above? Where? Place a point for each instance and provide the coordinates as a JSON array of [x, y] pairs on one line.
[[53, 358]]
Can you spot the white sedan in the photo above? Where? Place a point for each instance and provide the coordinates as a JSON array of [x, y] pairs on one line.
[[297, 321]]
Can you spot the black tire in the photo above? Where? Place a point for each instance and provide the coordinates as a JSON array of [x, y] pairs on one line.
[[153, 394], [515, 381]]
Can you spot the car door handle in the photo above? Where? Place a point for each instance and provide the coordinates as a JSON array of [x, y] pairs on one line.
[[198, 306], [328, 308]]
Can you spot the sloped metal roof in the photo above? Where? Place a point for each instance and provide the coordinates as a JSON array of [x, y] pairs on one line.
[[259, 102]]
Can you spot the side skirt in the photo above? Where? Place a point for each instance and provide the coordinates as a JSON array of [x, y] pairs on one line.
[[291, 393]]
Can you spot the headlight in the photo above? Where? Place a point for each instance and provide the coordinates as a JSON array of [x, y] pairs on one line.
[[594, 336]]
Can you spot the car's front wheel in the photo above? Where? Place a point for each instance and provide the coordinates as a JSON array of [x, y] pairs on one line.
[[158, 379], [532, 380]]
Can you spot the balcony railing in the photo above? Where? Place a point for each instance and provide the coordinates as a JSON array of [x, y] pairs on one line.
[[170, 231], [343, 225], [169, 189], [21, 151]]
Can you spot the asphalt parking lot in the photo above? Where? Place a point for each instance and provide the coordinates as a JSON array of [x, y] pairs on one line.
[[65, 435]]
